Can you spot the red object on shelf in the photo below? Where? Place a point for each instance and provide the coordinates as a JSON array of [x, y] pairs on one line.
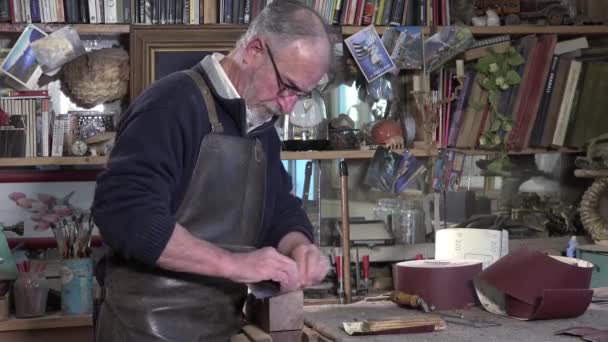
[[383, 130], [366, 266], [339, 267]]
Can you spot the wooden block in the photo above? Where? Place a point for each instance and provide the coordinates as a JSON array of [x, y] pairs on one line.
[[256, 334], [286, 336], [239, 338], [280, 313], [309, 335]]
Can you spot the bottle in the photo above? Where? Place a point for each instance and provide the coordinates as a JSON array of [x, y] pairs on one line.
[[571, 250]]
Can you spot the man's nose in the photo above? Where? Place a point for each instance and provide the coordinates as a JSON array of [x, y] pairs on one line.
[[287, 103]]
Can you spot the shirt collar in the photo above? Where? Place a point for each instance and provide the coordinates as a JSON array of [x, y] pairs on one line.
[[225, 88]]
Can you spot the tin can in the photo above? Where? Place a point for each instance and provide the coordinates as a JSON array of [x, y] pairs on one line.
[[77, 286]]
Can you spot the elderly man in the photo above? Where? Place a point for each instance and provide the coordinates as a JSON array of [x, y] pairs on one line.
[[195, 181]]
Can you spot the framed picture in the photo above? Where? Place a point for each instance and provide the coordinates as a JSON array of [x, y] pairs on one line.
[[157, 51], [29, 198]]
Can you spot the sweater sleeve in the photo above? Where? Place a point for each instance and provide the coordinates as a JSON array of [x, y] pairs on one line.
[[289, 215], [135, 193]]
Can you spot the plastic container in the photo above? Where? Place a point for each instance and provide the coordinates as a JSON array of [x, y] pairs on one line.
[[31, 290]]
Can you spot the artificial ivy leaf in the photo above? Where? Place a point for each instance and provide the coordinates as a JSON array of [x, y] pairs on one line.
[[496, 124], [487, 83], [515, 60], [512, 51], [493, 99], [512, 77], [483, 64], [507, 126]]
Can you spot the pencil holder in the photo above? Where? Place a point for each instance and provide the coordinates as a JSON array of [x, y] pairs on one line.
[[77, 286], [31, 290]]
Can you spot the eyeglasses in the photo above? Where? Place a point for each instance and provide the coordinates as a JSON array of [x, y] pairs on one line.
[[286, 90]]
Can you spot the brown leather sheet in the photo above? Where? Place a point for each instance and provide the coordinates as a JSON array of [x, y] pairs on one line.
[[537, 286], [443, 284]]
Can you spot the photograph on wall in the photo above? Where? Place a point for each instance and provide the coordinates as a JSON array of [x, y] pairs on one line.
[[370, 54]]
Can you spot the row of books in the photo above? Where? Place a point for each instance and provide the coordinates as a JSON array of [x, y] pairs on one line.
[[66, 11], [560, 101], [339, 12], [27, 132]]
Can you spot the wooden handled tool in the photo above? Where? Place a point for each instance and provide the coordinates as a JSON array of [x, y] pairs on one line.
[[345, 233], [410, 300]]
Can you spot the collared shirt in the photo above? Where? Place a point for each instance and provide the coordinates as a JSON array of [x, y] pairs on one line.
[[225, 88]]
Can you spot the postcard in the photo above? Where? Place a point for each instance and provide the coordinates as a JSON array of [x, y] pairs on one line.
[[407, 53], [20, 64], [369, 53]]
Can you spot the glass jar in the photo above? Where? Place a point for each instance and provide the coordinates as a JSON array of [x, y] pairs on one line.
[[31, 290], [408, 225], [386, 209]]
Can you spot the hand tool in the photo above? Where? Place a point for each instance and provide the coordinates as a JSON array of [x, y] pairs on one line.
[[265, 289], [411, 300], [345, 232], [357, 272], [366, 271], [339, 275], [306, 190]]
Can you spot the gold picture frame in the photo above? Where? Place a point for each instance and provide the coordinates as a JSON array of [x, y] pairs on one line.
[[157, 50]]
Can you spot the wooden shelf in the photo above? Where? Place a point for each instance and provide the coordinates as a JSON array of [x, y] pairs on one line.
[[4, 162], [346, 30], [80, 28], [418, 151], [512, 30], [46, 322], [600, 173], [536, 29]]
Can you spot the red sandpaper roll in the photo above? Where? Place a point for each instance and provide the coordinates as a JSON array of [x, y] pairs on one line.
[[444, 284]]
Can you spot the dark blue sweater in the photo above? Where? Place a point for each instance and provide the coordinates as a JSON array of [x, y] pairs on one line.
[[138, 194]]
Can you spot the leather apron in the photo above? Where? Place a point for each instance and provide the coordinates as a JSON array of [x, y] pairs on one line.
[[224, 205]]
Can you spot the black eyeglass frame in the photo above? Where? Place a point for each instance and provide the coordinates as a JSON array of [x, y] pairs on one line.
[[285, 89]]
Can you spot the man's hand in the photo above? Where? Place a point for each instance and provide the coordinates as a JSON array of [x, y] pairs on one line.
[[264, 264], [312, 264]]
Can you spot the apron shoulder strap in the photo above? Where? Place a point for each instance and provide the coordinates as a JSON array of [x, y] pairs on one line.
[[216, 125]]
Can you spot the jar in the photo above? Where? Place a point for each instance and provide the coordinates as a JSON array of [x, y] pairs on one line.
[[31, 290], [386, 209], [408, 225]]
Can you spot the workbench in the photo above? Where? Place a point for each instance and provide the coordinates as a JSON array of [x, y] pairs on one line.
[[327, 320], [49, 328]]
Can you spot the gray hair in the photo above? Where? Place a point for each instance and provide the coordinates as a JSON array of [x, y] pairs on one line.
[[286, 20]]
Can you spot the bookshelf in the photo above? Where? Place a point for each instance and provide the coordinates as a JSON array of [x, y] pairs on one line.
[[285, 155], [80, 28], [346, 30]]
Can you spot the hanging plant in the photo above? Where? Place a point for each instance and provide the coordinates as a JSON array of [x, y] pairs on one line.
[[498, 75]]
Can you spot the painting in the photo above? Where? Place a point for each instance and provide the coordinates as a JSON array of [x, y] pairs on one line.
[[33, 200], [157, 51]]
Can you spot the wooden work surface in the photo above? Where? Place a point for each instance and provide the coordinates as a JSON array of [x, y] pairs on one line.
[[49, 321], [327, 320]]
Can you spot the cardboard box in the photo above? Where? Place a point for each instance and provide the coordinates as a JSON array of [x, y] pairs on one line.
[[485, 245]]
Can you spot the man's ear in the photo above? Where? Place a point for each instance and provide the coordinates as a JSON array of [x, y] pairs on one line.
[[253, 50]]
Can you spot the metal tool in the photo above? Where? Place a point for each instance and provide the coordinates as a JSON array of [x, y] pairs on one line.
[[345, 232], [366, 271], [306, 190], [461, 320]]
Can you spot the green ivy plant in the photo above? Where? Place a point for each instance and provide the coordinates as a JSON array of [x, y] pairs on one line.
[[498, 74]]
